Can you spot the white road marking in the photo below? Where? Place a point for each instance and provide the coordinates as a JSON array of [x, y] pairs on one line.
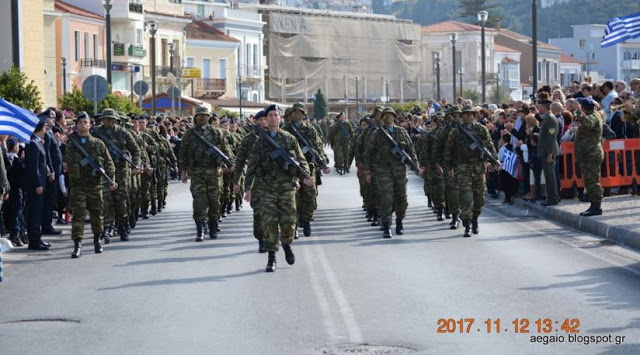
[[329, 324]]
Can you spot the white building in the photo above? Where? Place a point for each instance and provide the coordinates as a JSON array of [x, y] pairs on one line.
[[617, 62], [570, 70], [244, 26], [507, 66]]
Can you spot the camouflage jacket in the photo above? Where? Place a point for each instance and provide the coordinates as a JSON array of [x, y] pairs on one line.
[[242, 154], [311, 135], [84, 176], [123, 140], [459, 156], [424, 147], [192, 149], [588, 140], [269, 172], [340, 133], [440, 135], [378, 154]]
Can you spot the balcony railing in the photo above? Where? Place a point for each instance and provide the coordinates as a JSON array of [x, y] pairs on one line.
[[135, 7], [95, 63], [631, 64], [211, 85]]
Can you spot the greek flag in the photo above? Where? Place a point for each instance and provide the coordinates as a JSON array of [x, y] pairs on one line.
[[620, 29], [16, 121], [510, 163]]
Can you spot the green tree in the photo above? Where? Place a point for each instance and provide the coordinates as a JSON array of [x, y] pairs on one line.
[[472, 95], [230, 114], [469, 10], [75, 101], [120, 104], [498, 95], [319, 106], [406, 107], [16, 88]]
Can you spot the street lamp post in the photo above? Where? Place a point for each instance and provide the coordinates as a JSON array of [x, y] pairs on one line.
[[64, 75], [461, 73], [482, 17], [153, 28], [498, 86], [454, 37], [172, 49], [107, 7], [357, 94], [132, 69], [534, 37], [437, 55], [386, 85]]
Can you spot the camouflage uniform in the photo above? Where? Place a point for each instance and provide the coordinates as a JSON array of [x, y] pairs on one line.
[[469, 168], [115, 202], [135, 196], [148, 182], [86, 194], [589, 153], [391, 173], [278, 200], [424, 148], [371, 189], [241, 162], [166, 159], [205, 171], [340, 137], [445, 186]]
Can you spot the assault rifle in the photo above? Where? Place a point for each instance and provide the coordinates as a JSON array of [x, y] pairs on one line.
[[477, 145], [88, 160], [214, 151], [307, 149], [396, 149], [116, 153], [279, 153], [343, 130]]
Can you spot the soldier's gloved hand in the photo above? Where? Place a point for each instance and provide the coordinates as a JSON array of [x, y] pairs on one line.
[[326, 170], [309, 182], [113, 186], [236, 188]]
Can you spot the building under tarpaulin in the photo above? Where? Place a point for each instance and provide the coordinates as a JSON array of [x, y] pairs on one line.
[[308, 50]]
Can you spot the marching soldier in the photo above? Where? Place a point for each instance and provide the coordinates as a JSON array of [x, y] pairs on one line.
[[166, 160], [446, 185], [469, 167], [148, 180], [278, 200], [371, 190], [86, 194], [391, 173], [136, 195], [425, 149], [340, 137], [306, 196], [111, 133], [253, 187], [589, 153], [205, 171]]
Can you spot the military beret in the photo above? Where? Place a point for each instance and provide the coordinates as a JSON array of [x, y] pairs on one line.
[[259, 115], [224, 120], [586, 101], [272, 107]]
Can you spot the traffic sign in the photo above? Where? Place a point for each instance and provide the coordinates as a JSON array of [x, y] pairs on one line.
[[191, 73], [141, 88], [95, 88]]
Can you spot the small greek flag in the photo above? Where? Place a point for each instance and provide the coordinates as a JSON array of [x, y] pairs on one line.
[[620, 29], [16, 121], [510, 163]]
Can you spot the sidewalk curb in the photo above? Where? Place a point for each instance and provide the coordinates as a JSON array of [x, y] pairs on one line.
[[592, 225], [5, 245]]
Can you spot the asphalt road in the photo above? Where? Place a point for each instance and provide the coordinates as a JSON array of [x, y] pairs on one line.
[[162, 293]]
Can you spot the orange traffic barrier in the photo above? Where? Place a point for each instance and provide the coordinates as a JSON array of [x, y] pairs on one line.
[[621, 165]]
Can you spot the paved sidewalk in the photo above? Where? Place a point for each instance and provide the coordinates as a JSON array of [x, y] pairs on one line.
[[620, 220]]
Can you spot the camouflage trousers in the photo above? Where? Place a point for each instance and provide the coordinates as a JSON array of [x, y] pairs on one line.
[[134, 194], [145, 191], [591, 174], [278, 212], [471, 183], [392, 194], [306, 201], [438, 195], [205, 189], [116, 202], [227, 189], [256, 201], [82, 199], [428, 183], [162, 183], [452, 193], [341, 155]]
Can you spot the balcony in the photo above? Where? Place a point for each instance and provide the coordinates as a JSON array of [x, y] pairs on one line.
[[253, 71], [127, 9], [512, 84], [164, 71], [211, 85], [93, 63], [631, 64], [135, 7]]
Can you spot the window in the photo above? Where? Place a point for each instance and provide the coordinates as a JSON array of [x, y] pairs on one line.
[[206, 68], [222, 68], [139, 36], [256, 59], [95, 46], [539, 76], [555, 72], [248, 60], [191, 62], [86, 45], [547, 74], [164, 49], [77, 43], [200, 10], [582, 43]]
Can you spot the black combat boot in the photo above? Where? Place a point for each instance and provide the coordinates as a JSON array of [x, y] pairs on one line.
[[77, 249], [122, 230], [136, 214], [386, 230], [261, 247], [271, 262], [474, 225], [97, 246], [429, 203], [375, 220], [229, 207], [145, 214], [594, 210], [132, 221], [455, 221], [399, 227], [153, 208], [164, 204], [369, 215], [238, 203], [15, 240], [447, 213], [288, 254], [199, 227], [467, 226], [439, 214], [213, 229], [306, 228], [126, 225], [223, 211], [159, 206]]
